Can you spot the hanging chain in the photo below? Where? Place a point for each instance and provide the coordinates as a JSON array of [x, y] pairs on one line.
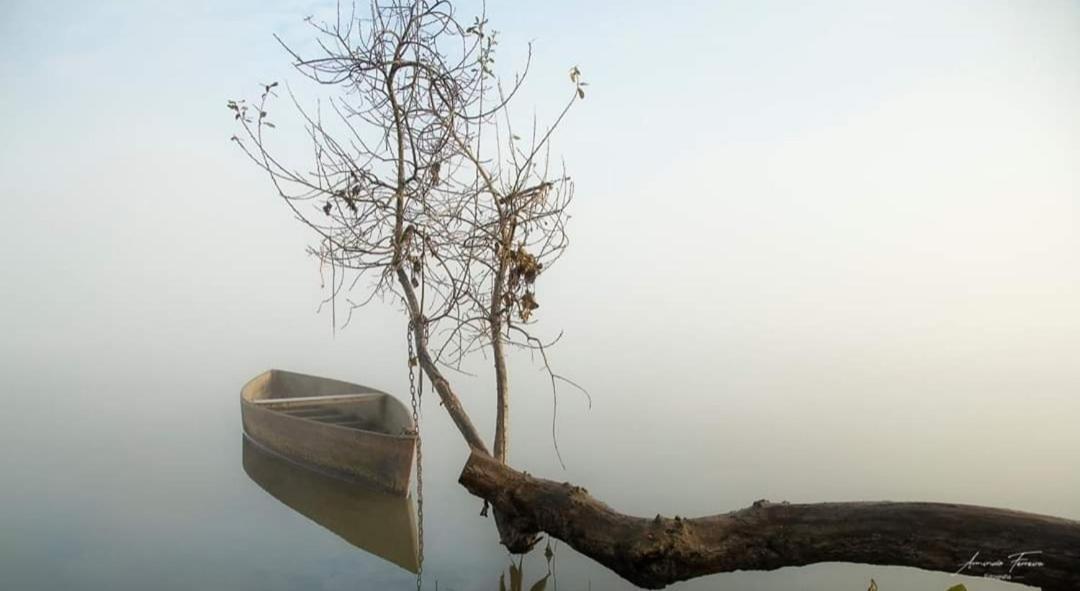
[[415, 393]]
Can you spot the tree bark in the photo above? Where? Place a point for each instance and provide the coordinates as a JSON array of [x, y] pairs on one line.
[[450, 401], [509, 535], [502, 396], [495, 321], [655, 552]]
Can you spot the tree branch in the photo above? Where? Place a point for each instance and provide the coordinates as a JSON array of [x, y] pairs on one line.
[[653, 553], [450, 401]]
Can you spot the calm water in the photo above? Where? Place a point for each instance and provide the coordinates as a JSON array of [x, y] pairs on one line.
[[827, 275], [149, 485]]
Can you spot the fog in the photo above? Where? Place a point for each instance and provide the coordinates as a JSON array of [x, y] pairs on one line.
[[826, 253]]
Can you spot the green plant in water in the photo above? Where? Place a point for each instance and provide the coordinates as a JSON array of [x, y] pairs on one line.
[[517, 577], [960, 587]]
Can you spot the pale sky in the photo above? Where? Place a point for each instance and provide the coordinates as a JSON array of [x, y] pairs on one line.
[[837, 232]]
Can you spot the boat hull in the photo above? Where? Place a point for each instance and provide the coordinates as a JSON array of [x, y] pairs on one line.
[[276, 407]]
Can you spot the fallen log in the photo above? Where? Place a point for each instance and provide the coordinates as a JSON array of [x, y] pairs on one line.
[[1036, 550]]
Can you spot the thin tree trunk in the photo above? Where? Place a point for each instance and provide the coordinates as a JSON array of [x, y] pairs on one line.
[[509, 535], [502, 378], [450, 401], [655, 552], [502, 397]]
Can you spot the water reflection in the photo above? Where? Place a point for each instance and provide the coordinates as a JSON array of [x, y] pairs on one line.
[[376, 523]]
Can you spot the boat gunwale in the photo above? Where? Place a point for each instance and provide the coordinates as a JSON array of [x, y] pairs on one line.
[[402, 436], [299, 400], [371, 392]]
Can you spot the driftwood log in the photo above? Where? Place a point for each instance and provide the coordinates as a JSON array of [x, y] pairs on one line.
[[654, 552]]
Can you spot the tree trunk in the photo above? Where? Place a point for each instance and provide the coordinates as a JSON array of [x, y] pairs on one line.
[[502, 397], [495, 326], [510, 536], [653, 553], [450, 401]]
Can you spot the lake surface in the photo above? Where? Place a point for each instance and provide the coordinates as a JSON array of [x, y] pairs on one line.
[[822, 275], [150, 485]]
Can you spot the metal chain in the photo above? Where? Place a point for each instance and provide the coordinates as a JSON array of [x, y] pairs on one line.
[[415, 394]]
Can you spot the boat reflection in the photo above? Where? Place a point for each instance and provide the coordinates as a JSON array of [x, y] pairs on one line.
[[375, 522]]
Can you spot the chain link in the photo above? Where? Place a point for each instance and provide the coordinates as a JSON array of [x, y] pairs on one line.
[[415, 393]]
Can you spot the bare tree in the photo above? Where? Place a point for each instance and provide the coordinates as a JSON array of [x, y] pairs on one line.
[[419, 183]]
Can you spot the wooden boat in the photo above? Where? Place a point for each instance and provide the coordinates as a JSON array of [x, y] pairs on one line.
[[347, 430], [377, 523]]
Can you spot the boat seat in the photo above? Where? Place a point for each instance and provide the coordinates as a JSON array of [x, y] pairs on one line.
[[316, 400], [306, 412], [326, 417]]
